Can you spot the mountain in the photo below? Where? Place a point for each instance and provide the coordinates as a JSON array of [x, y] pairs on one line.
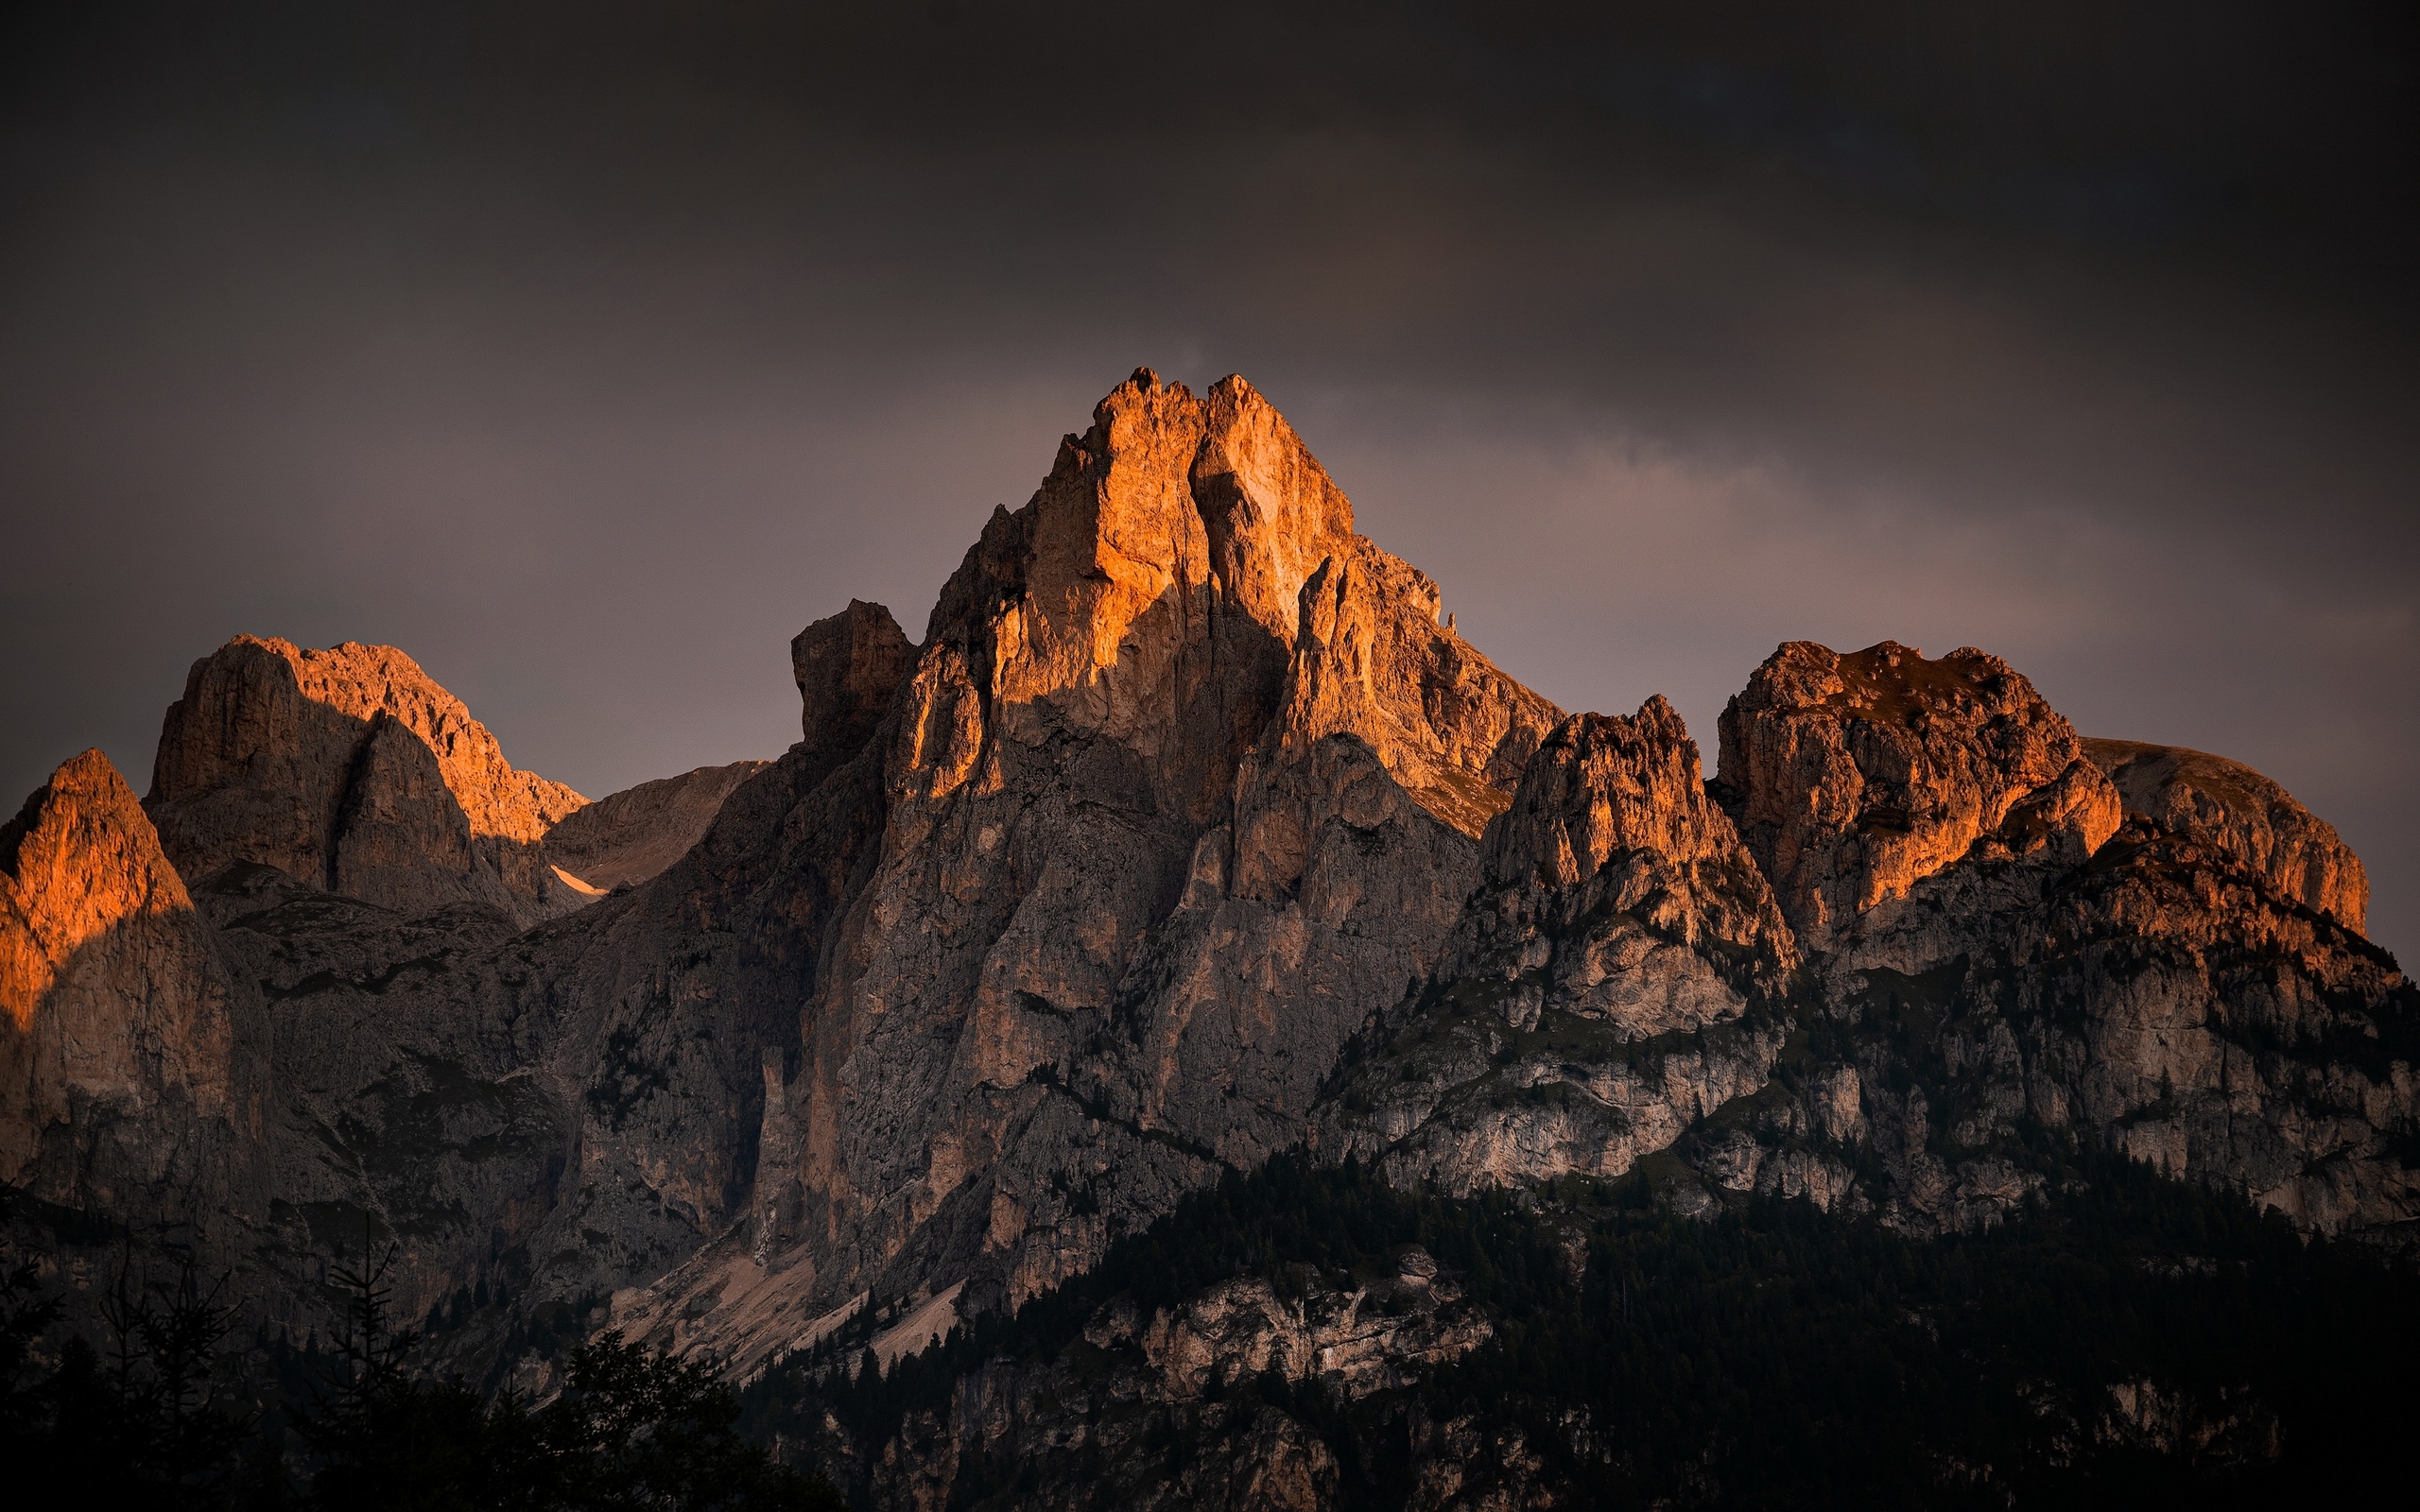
[[1187, 838]]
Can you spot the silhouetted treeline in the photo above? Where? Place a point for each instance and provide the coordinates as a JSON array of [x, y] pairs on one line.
[[2123, 1339], [168, 1416]]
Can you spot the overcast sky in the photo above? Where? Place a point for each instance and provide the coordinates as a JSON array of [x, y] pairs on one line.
[[586, 352]]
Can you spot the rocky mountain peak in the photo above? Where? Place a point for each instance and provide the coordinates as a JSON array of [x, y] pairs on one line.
[[1603, 786], [1185, 780], [351, 769], [1852, 777], [1186, 574], [113, 1028]]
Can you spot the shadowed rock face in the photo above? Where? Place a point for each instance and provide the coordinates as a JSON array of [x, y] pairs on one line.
[[622, 840], [2233, 809], [847, 667]]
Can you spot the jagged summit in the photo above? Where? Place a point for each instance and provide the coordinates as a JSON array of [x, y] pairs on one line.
[[351, 769], [114, 1026], [1852, 776], [1185, 836]]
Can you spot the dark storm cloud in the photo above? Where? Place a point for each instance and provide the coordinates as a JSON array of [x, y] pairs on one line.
[[587, 351]]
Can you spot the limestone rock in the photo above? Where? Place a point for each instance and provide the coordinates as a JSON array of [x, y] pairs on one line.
[[1180, 789], [1852, 777], [351, 769], [1585, 1015], [623, 838], [847, 667], [2232, 808], [114, 1037]]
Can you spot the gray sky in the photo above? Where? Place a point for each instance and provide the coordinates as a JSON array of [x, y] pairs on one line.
[[587, 354]]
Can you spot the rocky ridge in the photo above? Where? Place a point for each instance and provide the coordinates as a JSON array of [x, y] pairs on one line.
[[1187, 833], [621, 840]]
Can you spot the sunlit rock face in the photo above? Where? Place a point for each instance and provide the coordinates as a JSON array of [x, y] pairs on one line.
[[349, 769], [1854, 777], [114, 1034], [1185, 781]]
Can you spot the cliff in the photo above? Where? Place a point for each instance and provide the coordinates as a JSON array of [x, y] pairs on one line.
[[1187, 835], [1184, 781], [115, 1052], [349, 769]]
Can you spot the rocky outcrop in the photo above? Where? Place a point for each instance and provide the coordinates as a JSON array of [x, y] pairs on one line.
[[349, 769], [114, 1036], [622, 840], [2015, 939], [1086, 1426], [1854, 777], [2234, 811], [847, 667], [1590, 1007]]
